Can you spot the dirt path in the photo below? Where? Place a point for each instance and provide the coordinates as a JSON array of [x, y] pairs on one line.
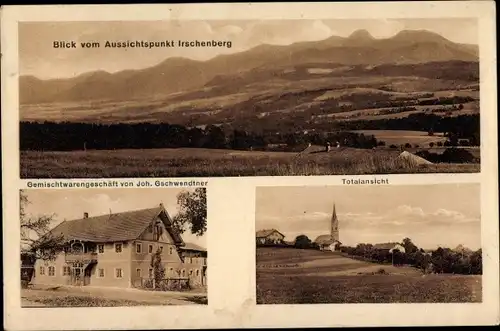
[[139, 297]]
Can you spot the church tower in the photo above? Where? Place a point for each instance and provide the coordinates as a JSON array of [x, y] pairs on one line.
[[334, 226]]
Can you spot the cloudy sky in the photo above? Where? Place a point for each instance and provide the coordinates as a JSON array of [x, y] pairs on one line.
[[39, 58], [71, 204], [431, 215]]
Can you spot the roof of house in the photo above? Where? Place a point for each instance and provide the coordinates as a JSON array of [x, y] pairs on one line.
[[193, 247], [115, 227], [266, 233], [386, 245], [324, 239]]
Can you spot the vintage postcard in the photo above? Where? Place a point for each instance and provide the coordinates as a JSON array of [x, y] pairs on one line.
[[338, 160], [334, 244]]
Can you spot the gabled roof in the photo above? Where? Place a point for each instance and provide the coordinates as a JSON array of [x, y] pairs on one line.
[[386, 245], [115, 227], [193, 247], [266, 233], [325, 239]]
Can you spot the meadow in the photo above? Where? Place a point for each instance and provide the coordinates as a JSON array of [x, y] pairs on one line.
[[401, 137], [194, 162], [293, 276]]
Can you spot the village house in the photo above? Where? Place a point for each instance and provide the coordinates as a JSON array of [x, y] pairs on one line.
[[116, 250], [390, 247], [270, 236]]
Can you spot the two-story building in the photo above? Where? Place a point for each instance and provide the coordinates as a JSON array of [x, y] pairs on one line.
[[269, 236], [116, 250]]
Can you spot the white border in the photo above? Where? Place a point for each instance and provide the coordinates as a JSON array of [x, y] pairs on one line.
[[231, 283]]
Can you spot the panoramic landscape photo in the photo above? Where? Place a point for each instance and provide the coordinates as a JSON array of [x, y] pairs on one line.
[[248, 98], [390, 244]]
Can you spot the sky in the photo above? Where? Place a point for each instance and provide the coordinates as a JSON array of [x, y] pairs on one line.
[[38, 57], [443, 215], [71, 204]]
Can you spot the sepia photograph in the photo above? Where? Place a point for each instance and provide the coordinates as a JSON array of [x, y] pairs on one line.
[[220, 98], [390, 244], [113, 247]]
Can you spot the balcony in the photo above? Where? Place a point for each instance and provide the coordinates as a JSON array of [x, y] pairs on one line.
[[81, 257]]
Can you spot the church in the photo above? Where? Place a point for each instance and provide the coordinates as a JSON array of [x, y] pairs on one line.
[[330, 242]]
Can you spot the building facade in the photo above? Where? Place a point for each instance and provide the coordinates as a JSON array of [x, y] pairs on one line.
[[116, 250], [271, 236]]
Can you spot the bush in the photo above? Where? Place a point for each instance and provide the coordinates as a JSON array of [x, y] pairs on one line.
[[457, 155]]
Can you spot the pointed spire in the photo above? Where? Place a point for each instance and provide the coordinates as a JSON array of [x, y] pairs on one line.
[[334, 231]]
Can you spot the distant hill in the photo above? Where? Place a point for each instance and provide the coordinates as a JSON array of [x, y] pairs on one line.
[[180, 74]]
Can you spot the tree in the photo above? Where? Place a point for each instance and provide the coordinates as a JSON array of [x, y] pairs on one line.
[[36, 240], [302, 241], [158, 268], [409, 246], [193, 212]]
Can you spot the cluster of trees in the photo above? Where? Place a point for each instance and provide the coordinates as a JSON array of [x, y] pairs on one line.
[[450, 155], [66, 136], [441, 260], [455, 128]]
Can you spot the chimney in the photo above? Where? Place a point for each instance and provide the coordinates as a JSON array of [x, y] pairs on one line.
[[161, 205], [85, 215]]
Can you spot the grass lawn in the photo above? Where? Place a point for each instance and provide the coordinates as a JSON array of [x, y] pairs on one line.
[[193, 162], [290, 276]]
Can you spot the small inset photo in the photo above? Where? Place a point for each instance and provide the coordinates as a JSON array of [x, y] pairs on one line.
[[370, 244], [113, 247]]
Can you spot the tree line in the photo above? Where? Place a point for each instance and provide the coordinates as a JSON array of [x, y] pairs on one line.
[[440, 260], [67, 136], [455, 128]]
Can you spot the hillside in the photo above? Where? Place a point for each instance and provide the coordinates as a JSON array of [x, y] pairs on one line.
[[361, 53], [293, 276]]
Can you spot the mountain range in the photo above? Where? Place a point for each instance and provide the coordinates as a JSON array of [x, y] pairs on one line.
[[181, 74]]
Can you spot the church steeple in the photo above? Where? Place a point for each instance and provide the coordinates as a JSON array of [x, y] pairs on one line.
[[334, 231]]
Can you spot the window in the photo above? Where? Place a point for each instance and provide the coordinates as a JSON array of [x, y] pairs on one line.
[[66, 270], [190, 272], [118, 273], [52, 271], [171, 270], [183, 273], [100, 249], [138, 248], [42, 270], [100, 273], [171, 250], [161, 249], [150, 273], [150, 249], [138, 272], [118, 248], [197, 272]]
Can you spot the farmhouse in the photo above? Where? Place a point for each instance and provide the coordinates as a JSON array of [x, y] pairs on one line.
[[270, 236], [330, 242], [116, 250], [390, 247]]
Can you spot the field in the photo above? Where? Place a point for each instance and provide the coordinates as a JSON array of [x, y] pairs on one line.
[[191, 162], [401, 137], [69, 296], [292, 276]]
